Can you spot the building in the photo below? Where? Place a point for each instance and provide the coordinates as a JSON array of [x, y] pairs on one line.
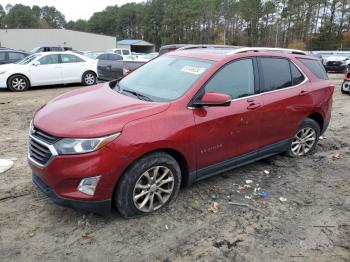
[[27, 39], [137, 46]]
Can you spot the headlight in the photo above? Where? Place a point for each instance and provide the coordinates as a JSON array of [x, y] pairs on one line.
[[70, 146], [31, 127], [2, 72]]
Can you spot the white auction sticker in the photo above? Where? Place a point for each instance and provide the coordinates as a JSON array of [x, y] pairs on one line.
[[193, 70]]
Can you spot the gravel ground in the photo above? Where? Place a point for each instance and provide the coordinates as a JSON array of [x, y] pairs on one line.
[[312, 225]]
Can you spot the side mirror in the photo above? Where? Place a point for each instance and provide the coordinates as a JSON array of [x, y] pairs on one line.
[[213, 99], [36, 63]]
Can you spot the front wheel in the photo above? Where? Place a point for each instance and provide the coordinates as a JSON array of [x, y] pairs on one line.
[[305, 139], [18, 83], [148, 185], [345, 87], [89, 78]]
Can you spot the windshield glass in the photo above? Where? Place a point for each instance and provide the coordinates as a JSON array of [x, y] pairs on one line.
[[166, 78], [27, 59]]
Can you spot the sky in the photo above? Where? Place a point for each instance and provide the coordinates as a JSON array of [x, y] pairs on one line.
[[73, 9]]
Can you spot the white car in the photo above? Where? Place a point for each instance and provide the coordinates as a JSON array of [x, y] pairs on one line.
[[50, 68], [336, 63]]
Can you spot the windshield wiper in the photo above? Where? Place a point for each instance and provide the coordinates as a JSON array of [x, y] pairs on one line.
[[138, 95]]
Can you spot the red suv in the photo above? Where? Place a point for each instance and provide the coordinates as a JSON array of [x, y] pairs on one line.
[[180, 118]]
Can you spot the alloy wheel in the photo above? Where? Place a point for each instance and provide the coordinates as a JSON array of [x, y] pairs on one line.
[[303, 141], [89, 79], [18, 84], [346, 86], [153, 189]]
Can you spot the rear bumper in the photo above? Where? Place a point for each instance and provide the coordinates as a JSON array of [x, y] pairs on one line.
[[102, 207]]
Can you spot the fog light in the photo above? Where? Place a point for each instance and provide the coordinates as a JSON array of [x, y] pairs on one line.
[[88, 185]]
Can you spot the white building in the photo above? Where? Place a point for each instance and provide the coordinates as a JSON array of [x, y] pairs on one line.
[[138, 46], [27, 39]]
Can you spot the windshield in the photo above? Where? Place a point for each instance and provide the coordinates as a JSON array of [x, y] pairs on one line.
[[166, 78], [27, 59]]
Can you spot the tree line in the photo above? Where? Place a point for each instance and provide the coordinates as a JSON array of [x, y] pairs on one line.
[[303, 24]]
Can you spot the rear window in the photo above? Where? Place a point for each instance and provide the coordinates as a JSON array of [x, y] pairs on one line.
[[315, 67], [102, 57], [276, 73], [114, 57]]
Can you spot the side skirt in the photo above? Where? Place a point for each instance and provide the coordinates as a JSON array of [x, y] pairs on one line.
[[238, 161]]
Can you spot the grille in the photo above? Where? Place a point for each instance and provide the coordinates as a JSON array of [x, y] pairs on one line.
[[334, 63], [44, 137], [40, 152]]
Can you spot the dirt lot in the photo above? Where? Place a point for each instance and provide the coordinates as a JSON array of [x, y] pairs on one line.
[[312, 225]]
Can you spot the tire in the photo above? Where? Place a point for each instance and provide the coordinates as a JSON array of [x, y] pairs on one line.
[[305, 139], [345, 87], [89, 78], [136, 189], [18, 83]]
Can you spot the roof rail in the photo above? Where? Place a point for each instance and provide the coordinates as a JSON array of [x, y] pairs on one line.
[[186, 47], [262, 49]]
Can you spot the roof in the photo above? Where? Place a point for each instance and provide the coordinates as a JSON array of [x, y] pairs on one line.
[[219, 54], [134, 42]]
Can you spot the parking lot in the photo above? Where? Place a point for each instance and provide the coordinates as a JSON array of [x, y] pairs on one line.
[[311, 225]]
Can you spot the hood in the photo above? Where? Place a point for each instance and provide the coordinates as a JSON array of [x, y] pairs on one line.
[[335, 58], [92, 112]]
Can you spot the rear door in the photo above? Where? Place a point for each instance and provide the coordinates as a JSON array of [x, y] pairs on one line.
[[49, 71], [73, 68], [223, 133], [116, 66], [283, 105]]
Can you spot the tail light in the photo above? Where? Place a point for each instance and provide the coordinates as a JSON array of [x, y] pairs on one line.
[[332, 88], [347, 76], [126, 71]]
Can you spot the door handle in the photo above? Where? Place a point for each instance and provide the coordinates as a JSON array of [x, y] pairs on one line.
[[303, 92], [253, 106]]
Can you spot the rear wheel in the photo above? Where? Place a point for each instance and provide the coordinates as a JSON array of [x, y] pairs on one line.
[[148, 185], [345, 88], [305, 139], [89, 78], [18, 83]]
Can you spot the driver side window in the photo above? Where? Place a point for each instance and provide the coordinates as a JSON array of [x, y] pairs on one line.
[[49, 60], [235, 79]]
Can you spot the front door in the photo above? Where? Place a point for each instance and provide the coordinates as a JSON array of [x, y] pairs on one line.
[[223, 133], [48, 72]]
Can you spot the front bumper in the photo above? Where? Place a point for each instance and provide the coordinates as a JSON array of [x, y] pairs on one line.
[[3, 82], [102, 207]]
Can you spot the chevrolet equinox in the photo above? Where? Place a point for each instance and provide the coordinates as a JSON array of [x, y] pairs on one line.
[[185, 116]]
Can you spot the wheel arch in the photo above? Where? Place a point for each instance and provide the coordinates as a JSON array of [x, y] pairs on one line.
[[318, 118], [177, 155], [20, 74], [88, 71]]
